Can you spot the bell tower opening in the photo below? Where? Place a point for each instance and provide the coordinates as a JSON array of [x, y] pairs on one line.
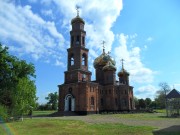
[[77, 40], [84, 60], [71, 60]]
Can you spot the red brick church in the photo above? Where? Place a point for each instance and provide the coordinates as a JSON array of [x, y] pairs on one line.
[[78, 93]]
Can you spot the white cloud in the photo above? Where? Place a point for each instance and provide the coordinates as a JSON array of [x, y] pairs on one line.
[[149, 39], [148, 88], [145, 47], [38, 37], [99, 18], [138, 72], [147, 91], [48, 12], [31, 34], [177, 86], [60, 63]]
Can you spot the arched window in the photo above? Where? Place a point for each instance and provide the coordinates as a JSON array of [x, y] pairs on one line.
[[121, 80], [83, 77], [102, 102], [71, 60], [70, 90], [84, 62], [92, 100], [125, 102], [77, 40], [116, 101], [83, 40]]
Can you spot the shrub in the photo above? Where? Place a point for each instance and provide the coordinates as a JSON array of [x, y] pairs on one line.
[[3, 113]]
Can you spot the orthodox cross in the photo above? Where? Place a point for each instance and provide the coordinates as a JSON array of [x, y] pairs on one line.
[[77, 8], [103, 42], [122, 60]]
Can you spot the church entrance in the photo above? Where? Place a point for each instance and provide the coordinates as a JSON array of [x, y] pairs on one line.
[[69, 103], [69, 107]]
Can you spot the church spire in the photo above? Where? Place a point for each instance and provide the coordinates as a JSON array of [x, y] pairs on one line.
[[122, 60], [103, 42], [77, 8]]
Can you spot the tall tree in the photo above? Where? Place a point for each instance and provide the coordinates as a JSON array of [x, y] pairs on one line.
[[52, 100], [142, 103], [24, 96], [17, 89], [148, 102], [136, 101], [161, 94]]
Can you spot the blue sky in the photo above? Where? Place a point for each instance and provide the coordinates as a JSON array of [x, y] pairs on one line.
[[146, 33]]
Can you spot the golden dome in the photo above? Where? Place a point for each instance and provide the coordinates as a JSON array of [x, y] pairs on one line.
[[123, 72], [103, 59], [109, 66]]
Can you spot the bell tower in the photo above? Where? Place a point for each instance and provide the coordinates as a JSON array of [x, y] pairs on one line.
[[77, 61]]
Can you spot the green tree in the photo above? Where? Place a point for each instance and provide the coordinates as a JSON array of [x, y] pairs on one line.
[[136, 101], [24, 96], [142, 103], [148, 102], [3, 113], [153, 105], [6, 79], [17, 89], [161, 94], [52, 100]]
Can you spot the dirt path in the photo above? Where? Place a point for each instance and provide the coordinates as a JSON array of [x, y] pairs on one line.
[[157, 123]]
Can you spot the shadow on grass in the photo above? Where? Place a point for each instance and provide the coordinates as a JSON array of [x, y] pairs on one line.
[[173, 130], [164, 117], [54, 114], [41, 115], [169, 117]]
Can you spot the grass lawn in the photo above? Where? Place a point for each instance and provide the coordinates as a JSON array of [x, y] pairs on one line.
[[142, 116], [160, 110], [65, 127], [42, 113]]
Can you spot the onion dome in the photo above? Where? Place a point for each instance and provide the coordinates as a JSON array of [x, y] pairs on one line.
[[123, 72], [109, 66], [77, 19], [103, 59]]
